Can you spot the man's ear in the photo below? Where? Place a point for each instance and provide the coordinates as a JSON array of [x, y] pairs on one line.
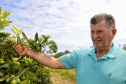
[[114, 30]]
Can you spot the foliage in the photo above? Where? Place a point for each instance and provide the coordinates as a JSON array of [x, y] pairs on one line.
[[61, 54], [124, 47], [21, 69]]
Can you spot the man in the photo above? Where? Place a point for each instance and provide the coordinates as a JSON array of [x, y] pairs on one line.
[[102, 64]]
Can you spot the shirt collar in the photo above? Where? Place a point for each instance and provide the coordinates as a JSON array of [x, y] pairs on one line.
[[110, 54]]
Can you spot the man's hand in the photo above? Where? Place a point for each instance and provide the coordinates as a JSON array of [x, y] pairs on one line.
[[21, 50]]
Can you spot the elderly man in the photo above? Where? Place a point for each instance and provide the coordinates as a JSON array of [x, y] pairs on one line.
[[102, 64]]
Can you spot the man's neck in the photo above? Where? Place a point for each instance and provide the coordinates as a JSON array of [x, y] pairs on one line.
[[102, 51]]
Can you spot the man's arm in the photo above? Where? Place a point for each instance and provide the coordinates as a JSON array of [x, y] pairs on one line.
[[39, 57]]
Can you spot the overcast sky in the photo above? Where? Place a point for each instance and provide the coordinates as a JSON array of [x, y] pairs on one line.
[[66, 21]]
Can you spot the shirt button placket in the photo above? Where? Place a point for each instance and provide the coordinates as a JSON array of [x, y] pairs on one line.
[[95, 65]]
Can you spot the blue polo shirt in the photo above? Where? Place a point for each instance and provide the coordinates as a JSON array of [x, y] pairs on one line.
[[109, 69]]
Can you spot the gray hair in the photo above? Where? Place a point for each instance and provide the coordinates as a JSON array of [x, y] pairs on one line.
[[109, 19]]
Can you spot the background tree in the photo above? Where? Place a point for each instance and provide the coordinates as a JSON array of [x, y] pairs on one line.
[[61, 54], [124, 47]]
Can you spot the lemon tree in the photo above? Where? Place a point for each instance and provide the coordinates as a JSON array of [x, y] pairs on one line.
[[15, 69]]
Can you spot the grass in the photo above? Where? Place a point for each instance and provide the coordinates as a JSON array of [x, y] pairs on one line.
[[65, 74]]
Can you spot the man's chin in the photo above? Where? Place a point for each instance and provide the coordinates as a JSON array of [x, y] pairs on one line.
[[98, 46]]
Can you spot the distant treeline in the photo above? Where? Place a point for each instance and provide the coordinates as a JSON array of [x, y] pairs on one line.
[[61, 54]]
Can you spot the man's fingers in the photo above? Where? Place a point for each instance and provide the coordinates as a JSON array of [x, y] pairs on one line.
[[21, 50], [13, 47], [17, 48]]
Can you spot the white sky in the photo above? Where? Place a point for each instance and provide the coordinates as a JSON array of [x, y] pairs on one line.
[[66, 21]]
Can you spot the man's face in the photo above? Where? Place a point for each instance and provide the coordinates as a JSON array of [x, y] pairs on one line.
[[101, 35]]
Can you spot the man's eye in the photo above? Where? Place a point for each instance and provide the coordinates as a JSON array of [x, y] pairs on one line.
[[99, 31], [92, 31]]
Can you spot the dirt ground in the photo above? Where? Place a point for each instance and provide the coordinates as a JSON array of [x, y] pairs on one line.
[[56, 79]]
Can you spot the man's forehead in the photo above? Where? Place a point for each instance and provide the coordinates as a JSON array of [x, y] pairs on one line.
[[100, 25], [98, 28]]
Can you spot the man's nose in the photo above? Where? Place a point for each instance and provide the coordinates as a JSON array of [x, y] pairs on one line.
[[95, 36]]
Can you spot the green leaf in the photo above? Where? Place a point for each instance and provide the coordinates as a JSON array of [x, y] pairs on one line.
[[18, 39], [53, 47], [24, 82], [8, 13], [36, 37], [1, 39], [50, 42], [21, 73], [1, 72], [25, 36], [30, 60], [2, 44], [1, 28], [20, 31], [48, 36], [39, 39], [13, 68], [44, 36], [22, 40], [13, 30], [9, 22], [3, 78], [5, 25], [5, 14], [16, 29], [8, 79], [4, 34], [0, 11], [4, 65]]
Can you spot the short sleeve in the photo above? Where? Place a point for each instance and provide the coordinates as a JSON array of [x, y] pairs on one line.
[[70, 60]]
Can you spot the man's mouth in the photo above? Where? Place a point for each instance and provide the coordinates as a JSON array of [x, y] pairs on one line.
[[96, 40]]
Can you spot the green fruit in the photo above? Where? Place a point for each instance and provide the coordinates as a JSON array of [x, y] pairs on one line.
[[13, 81], [18, 80], [26, 44], [30, 41], [38, 48]]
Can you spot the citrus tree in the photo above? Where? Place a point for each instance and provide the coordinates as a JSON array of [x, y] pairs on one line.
[[15, 69]]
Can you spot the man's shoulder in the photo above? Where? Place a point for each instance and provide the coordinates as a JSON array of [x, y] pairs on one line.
[[120, 52], [83, 51]]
